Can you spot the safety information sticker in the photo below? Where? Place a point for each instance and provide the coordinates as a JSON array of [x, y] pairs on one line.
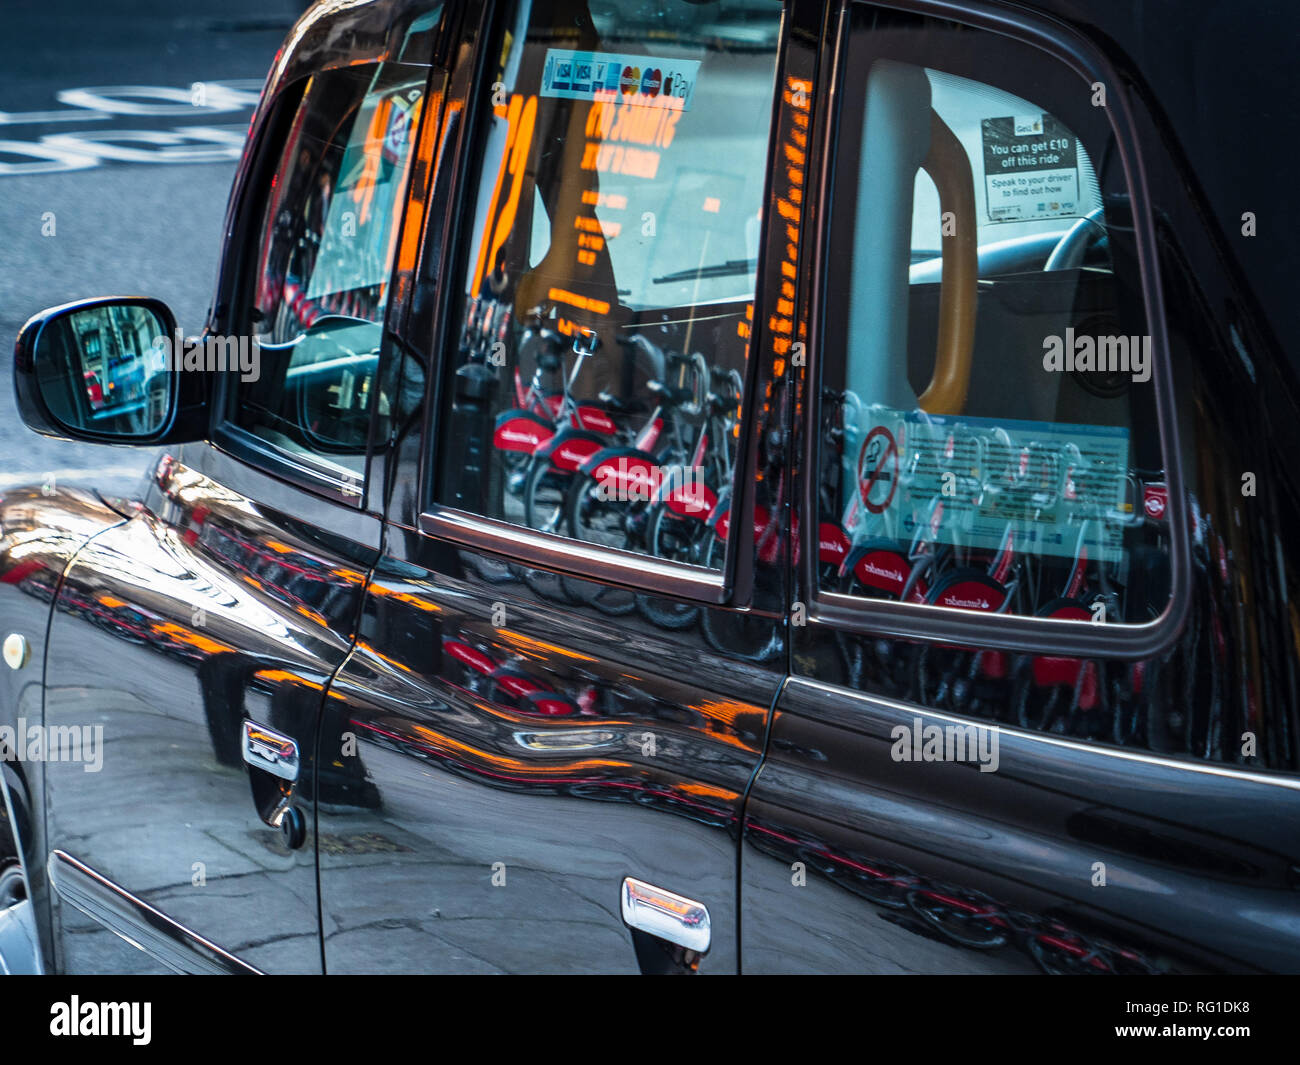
[[639, 80], [1031, 168], [1049, 479]]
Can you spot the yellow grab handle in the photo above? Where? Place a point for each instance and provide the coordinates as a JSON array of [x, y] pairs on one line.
[[950, 171]]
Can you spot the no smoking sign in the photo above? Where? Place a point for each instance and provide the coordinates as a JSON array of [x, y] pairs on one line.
[[878, 469]]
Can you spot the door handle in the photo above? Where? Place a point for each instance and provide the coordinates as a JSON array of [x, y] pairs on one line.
[[270, 751], [667, 915], [273, 765]]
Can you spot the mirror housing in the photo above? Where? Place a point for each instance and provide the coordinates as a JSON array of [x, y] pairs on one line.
[[99, 370]]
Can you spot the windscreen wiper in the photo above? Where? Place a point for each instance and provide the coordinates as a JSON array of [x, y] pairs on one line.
[[727, 269]]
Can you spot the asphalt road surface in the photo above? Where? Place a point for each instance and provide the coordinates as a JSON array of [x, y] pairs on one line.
[[120, 126]]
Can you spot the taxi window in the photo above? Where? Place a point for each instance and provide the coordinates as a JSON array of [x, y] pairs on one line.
[[325, 254], [607, 291], [989, 440]]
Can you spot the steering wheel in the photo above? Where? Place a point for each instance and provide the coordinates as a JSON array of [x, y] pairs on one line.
[[331, 345], [1072, 249]]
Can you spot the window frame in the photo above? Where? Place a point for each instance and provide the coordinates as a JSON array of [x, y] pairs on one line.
[[298, 469], [936, 624], [551, 551]]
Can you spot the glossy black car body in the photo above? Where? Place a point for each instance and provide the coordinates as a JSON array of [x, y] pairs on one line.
[[487, 754]]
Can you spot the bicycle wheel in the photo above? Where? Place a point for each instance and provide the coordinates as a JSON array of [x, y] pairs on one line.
[[490, 569], [1061, 953], [608, 599], [976, 925], [752, 637], [590, 517], [544, 493], [1037, 707], [672, 538], [547, 585], [595, 520]]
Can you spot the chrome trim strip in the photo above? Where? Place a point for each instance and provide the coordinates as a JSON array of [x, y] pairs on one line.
[[271, 461], [565, 740], [643, 572], [152, 931], [1079, 746]]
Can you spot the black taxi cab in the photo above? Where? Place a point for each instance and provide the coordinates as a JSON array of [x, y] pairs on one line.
[[683, 486]]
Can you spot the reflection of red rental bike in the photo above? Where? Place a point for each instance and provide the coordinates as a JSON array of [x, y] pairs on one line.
[[957, 915], [1053, 692], [658, 490], [504, 683], [522, 431], [876, 564], [1023, 483], [610, 500], [690, 520], [971, 919], [751, 637], [576, 450], [1064, 694], [984, 470]]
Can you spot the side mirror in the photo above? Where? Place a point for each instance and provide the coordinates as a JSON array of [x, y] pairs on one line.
[[99, 370]]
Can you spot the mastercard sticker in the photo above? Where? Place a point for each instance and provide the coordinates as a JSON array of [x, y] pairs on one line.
[[637, 80]]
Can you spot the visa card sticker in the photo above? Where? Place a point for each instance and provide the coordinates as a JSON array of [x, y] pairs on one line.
[[638, 80]]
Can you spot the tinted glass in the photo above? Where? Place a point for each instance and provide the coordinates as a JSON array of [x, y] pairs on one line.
[[989, 439], [325, 256], [608, 278]]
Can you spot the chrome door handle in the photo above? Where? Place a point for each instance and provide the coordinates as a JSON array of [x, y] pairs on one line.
[[269, 751], [665, 914]]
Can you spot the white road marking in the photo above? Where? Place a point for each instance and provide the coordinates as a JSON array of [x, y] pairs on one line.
[[58, 152], [77, 474], [28, 118]]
